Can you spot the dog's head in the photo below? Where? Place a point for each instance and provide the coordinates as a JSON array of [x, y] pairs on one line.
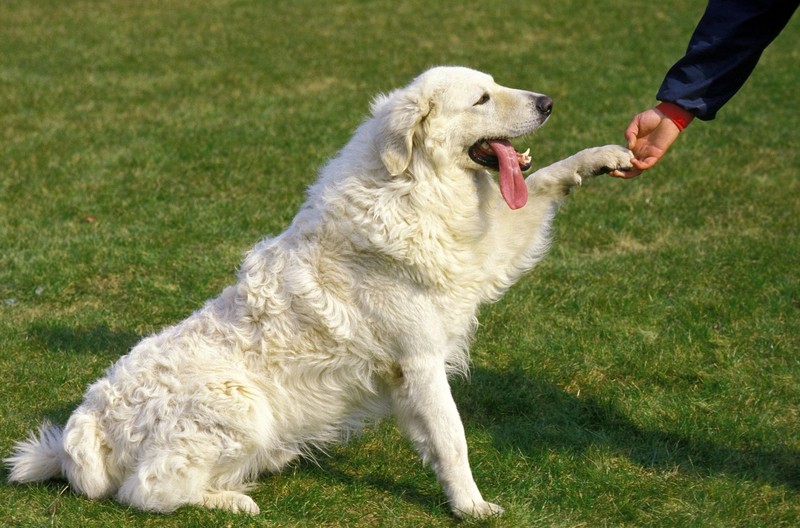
[[458, 116]]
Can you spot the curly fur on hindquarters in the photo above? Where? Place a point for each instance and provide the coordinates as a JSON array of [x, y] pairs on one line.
[[361, 308]]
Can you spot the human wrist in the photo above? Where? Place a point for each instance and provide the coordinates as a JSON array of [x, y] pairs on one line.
[[676, 114]]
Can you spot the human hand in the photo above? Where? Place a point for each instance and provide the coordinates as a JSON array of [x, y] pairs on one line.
[[649, 136]]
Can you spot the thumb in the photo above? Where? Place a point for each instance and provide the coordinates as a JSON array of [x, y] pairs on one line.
[[631, 139], [631, 134], [646, 163]]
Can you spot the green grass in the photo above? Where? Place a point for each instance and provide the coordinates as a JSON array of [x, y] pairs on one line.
[[646, 374]]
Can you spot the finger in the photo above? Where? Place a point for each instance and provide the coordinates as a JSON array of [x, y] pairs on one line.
[[631, 134], [625, 175], [644, 164]]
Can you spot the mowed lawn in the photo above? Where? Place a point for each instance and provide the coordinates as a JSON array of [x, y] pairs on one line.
[[647, 373]]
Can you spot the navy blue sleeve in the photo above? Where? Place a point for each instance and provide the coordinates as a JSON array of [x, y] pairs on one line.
[[722, 53]]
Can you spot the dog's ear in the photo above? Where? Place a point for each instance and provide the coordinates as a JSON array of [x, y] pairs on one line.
[[398, 114]]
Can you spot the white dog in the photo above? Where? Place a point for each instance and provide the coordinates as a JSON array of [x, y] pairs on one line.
[[361, 308]]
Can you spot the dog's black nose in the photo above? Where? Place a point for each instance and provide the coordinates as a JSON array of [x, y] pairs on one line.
[[544, 104]]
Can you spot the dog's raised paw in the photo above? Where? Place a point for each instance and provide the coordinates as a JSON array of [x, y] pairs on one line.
[[602, 160], [613, 158]]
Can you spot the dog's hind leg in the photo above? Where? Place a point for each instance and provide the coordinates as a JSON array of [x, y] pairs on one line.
[[163, 484], [191, 468], [166, 483]]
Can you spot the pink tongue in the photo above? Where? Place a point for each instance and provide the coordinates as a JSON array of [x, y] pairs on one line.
[[512, 184]]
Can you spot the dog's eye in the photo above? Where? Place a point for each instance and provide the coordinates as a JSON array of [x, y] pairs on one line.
[[483, 100]]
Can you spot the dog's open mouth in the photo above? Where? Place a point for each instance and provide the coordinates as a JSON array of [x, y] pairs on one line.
[[500, 155]]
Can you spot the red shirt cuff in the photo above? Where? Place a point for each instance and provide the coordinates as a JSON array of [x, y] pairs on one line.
[[677, 115]]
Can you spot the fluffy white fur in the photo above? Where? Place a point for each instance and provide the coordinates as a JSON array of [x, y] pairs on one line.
[[361, 308]]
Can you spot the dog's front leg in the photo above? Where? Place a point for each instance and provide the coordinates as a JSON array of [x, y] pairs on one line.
[[426, 412], [557, 179]]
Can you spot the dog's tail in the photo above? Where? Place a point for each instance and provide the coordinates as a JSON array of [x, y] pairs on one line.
[[75, 452], [37, 458]]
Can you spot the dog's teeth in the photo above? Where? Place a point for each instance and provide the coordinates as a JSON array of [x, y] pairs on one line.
[[527, 153]]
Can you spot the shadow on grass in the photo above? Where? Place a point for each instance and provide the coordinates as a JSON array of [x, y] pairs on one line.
[[533, 416], [340, 468], [98, 340]]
